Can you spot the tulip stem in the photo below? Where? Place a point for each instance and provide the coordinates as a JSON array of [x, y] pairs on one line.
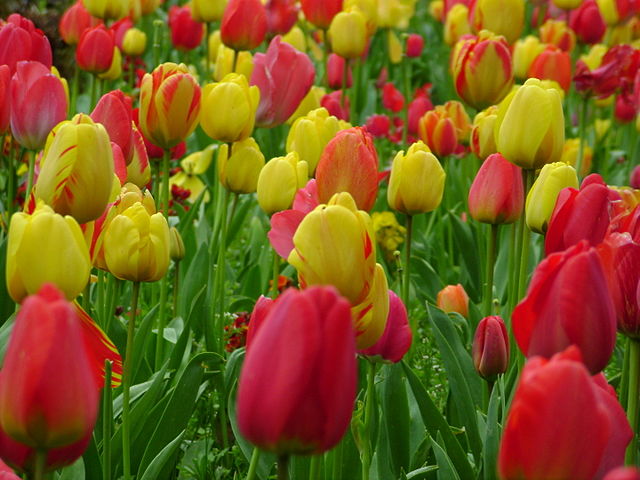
[[632, 399], [276, 274], [325, 59], [524, 240], [164, 193], [345, 81], [367, 454], [406, 281], [74, 91], [40, 464], [253, 464], [126, 384], [406, 77], [157, 44], [107, 418], [314, 467], [353, 114], [162, 320], [487, 299], [283, 467], [32, 167], [581, 134], [176, 285]]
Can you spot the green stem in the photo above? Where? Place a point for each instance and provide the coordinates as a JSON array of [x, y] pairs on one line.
[[355, 87], [407, 262], [336, 468], [112, 302], [32, 167], [157, 44], [11, 187], [164, 193], [40, 464], [370, 401], [107, 419], [345, 80], [406, 77], [126, 384], [314, 467], [581, 132], [207, 53], [487, 298], [276, 275], [176, 285], [94, 92], [253, 465], [220, 274], [632, 402], [325, 59], [524, 241], [101, 297], [283, 467], [234, 65], [74, 92], [162, 320]]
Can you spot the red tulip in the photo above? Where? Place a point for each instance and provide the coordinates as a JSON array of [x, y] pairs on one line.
[[48, 397], [417, 108], [336, 104], [5, 99], [114, 111], [6, 473], [38, 102], [284, 76], [260, 311], [335, 72], [244, 24], [625, 110], [634, 181], [120, 28], [298, 383], [349, 163], [616, 72], [396, 338], [186, 33], [378, 125], [21, 40], [321, 12], [281, 16], [95, 49], [579, 215], [587, 22], [568, 302], [490, 349], [496, 195], [623, 473], [415, 44], [438, 131], [552, 64], [75, 20], [392, 99], [562, 424]]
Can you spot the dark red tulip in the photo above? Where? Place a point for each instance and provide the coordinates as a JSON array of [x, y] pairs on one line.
[[281, 16], [75, 20], [562, 424], [415, 44], [244, 24], [186, 33], [335, 72], [490, 349], [321, 12], [616, 72], [625, 109], [336, 104], [298, 382], [20, 40], [378, 125], [568, 302], [114, 111], [95, 49], [417, 108], [587, 22], [392, 99]]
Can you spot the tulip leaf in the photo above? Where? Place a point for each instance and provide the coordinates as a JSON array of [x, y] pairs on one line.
[[492, 437], [193, 281], [7, 306], [420, 473], [437, 424], [239, 217], [446, 470], [5, 334], [395, 416], [468, 248], [141, 340], [155, 468], [464, 382], [74, 471]]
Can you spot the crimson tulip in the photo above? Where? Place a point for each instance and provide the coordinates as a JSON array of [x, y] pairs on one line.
[[563, 423], [490, 349], [20, 41], [75, 20], [616, 72], [625, 109], [321, 12], [284, 76], [260, 311], [568, 302], [298, 382], [420, 105], [392, 98], [349, 163], [114, 111], [186, 33], [335, 72], [244, 24], [337, 104], [378, 125], [587, 22], [5, 99], [95, 49], [415, 44], [281, 16]]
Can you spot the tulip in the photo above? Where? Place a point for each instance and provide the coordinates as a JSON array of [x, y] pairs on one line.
[[334, 245], [617, 11], [279, 180], [321, 12], [337, 105], [438, 131], [525, 52], [5, 99], [370, 315], [169, 105], [420, 105], [284, 76], [38, 103], [229, 108], [453, 298], [623, 473], [75, 20], [62, 260], [482, 140], [568, 302], [392, 98], [95, 49], [415, 45], [107, 9], [244, 24], [275, 396], [239, 171], [207, 11], [502, 17], [396, 338], [394, 14], [530, 126], [335, 72], [349, 163], [616, 69], [541, 435], [281, 16], [77, 169], [193, 165], [114, 111], [229, 61], [490, 350], [542, 197], [570, 155], [456, 24], [348, 34], [496, 195], [134, 42], [20, 41], [552, 64], [557, 32], [138, 171], [310, 134], [296, 38], [6, 473], [378, 125], [186, 33], [417, 181], [482, 70]]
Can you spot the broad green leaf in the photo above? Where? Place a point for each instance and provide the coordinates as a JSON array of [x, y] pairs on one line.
[[155, 468], [420, 473], [492, 437], [446, 470], [395, 417]]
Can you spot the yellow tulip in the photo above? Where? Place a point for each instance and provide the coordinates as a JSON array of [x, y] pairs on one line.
[[193, 165], [225, 61], [207, 10], [239, 172], [570, 155], [370, 316], [115, 70], [456, 24], [395, 13], [502, 17], [482, 141], [134, 42], [176, 245], [525, 52], [279, 180], [593, 58], [296, 39], [311, 101], [46, 247], [348, 34], [368, 8], [107, 9]]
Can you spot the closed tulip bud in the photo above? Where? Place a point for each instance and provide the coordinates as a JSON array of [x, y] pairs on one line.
[[337, 105], [392, 98], [20, 41], [38, 103], [186, 33], [349, 163], [508, 23], [490, 350], [310, 134], [138, 171], [75, 20], [176, 245], [453, 298], [415, 45], [114, 111], [460, 118], [244, 24], [229, 108], [334, 244], [542, 197], [530, 126], [169, 105], [477, 60], [136, 245], [568, 302], [335, 72], [279, 180], [417, 180], [107, 9], [456, 24], [438, 131], [496, 195], [417, 108], [556, 32], [48, 397], [296, 38], [76, 170], [588, 23], [482, 140], [95, 49], [370, 315], [275, 396], [436, 10], [348, 34], [62, 260], [281, 16], [530, 449], [239, 171], [321, 12], [525, 52], [207, 11], [115, 70], [552, 64], [134, 42]]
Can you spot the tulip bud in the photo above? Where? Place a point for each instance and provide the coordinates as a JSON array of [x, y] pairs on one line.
[[490, 350], [227, 59], [136, 245], [207, 11], [438, 131], [335, 72], [337, 104], [588, 23], [240, 171], [453, 298], [244, 24], [530, 126], [525, 52], [95, 49], [348, 34], [186, 33], [48, 397], [321, 12], [417, 180], [436, 10], [552, 64], [176, 245], [20, 41], [75, 20], [456, 24], [5, 101], [570, 155], [509, 22], [483, 141], [415, 45], [558, 33], [134, 42], [616, 11], [115, 70], [107, 9], [296, 38], [279, 180], [542, 197]]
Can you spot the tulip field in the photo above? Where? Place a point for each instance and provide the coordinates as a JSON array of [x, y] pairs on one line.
[[320, 239]]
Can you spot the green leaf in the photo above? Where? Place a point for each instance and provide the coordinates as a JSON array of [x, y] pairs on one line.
[[194, 279], [492, 437], [446, 470], [74, 471], [466, 244], [141, 340], [395, 415], [155, 468], [421, 473]]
